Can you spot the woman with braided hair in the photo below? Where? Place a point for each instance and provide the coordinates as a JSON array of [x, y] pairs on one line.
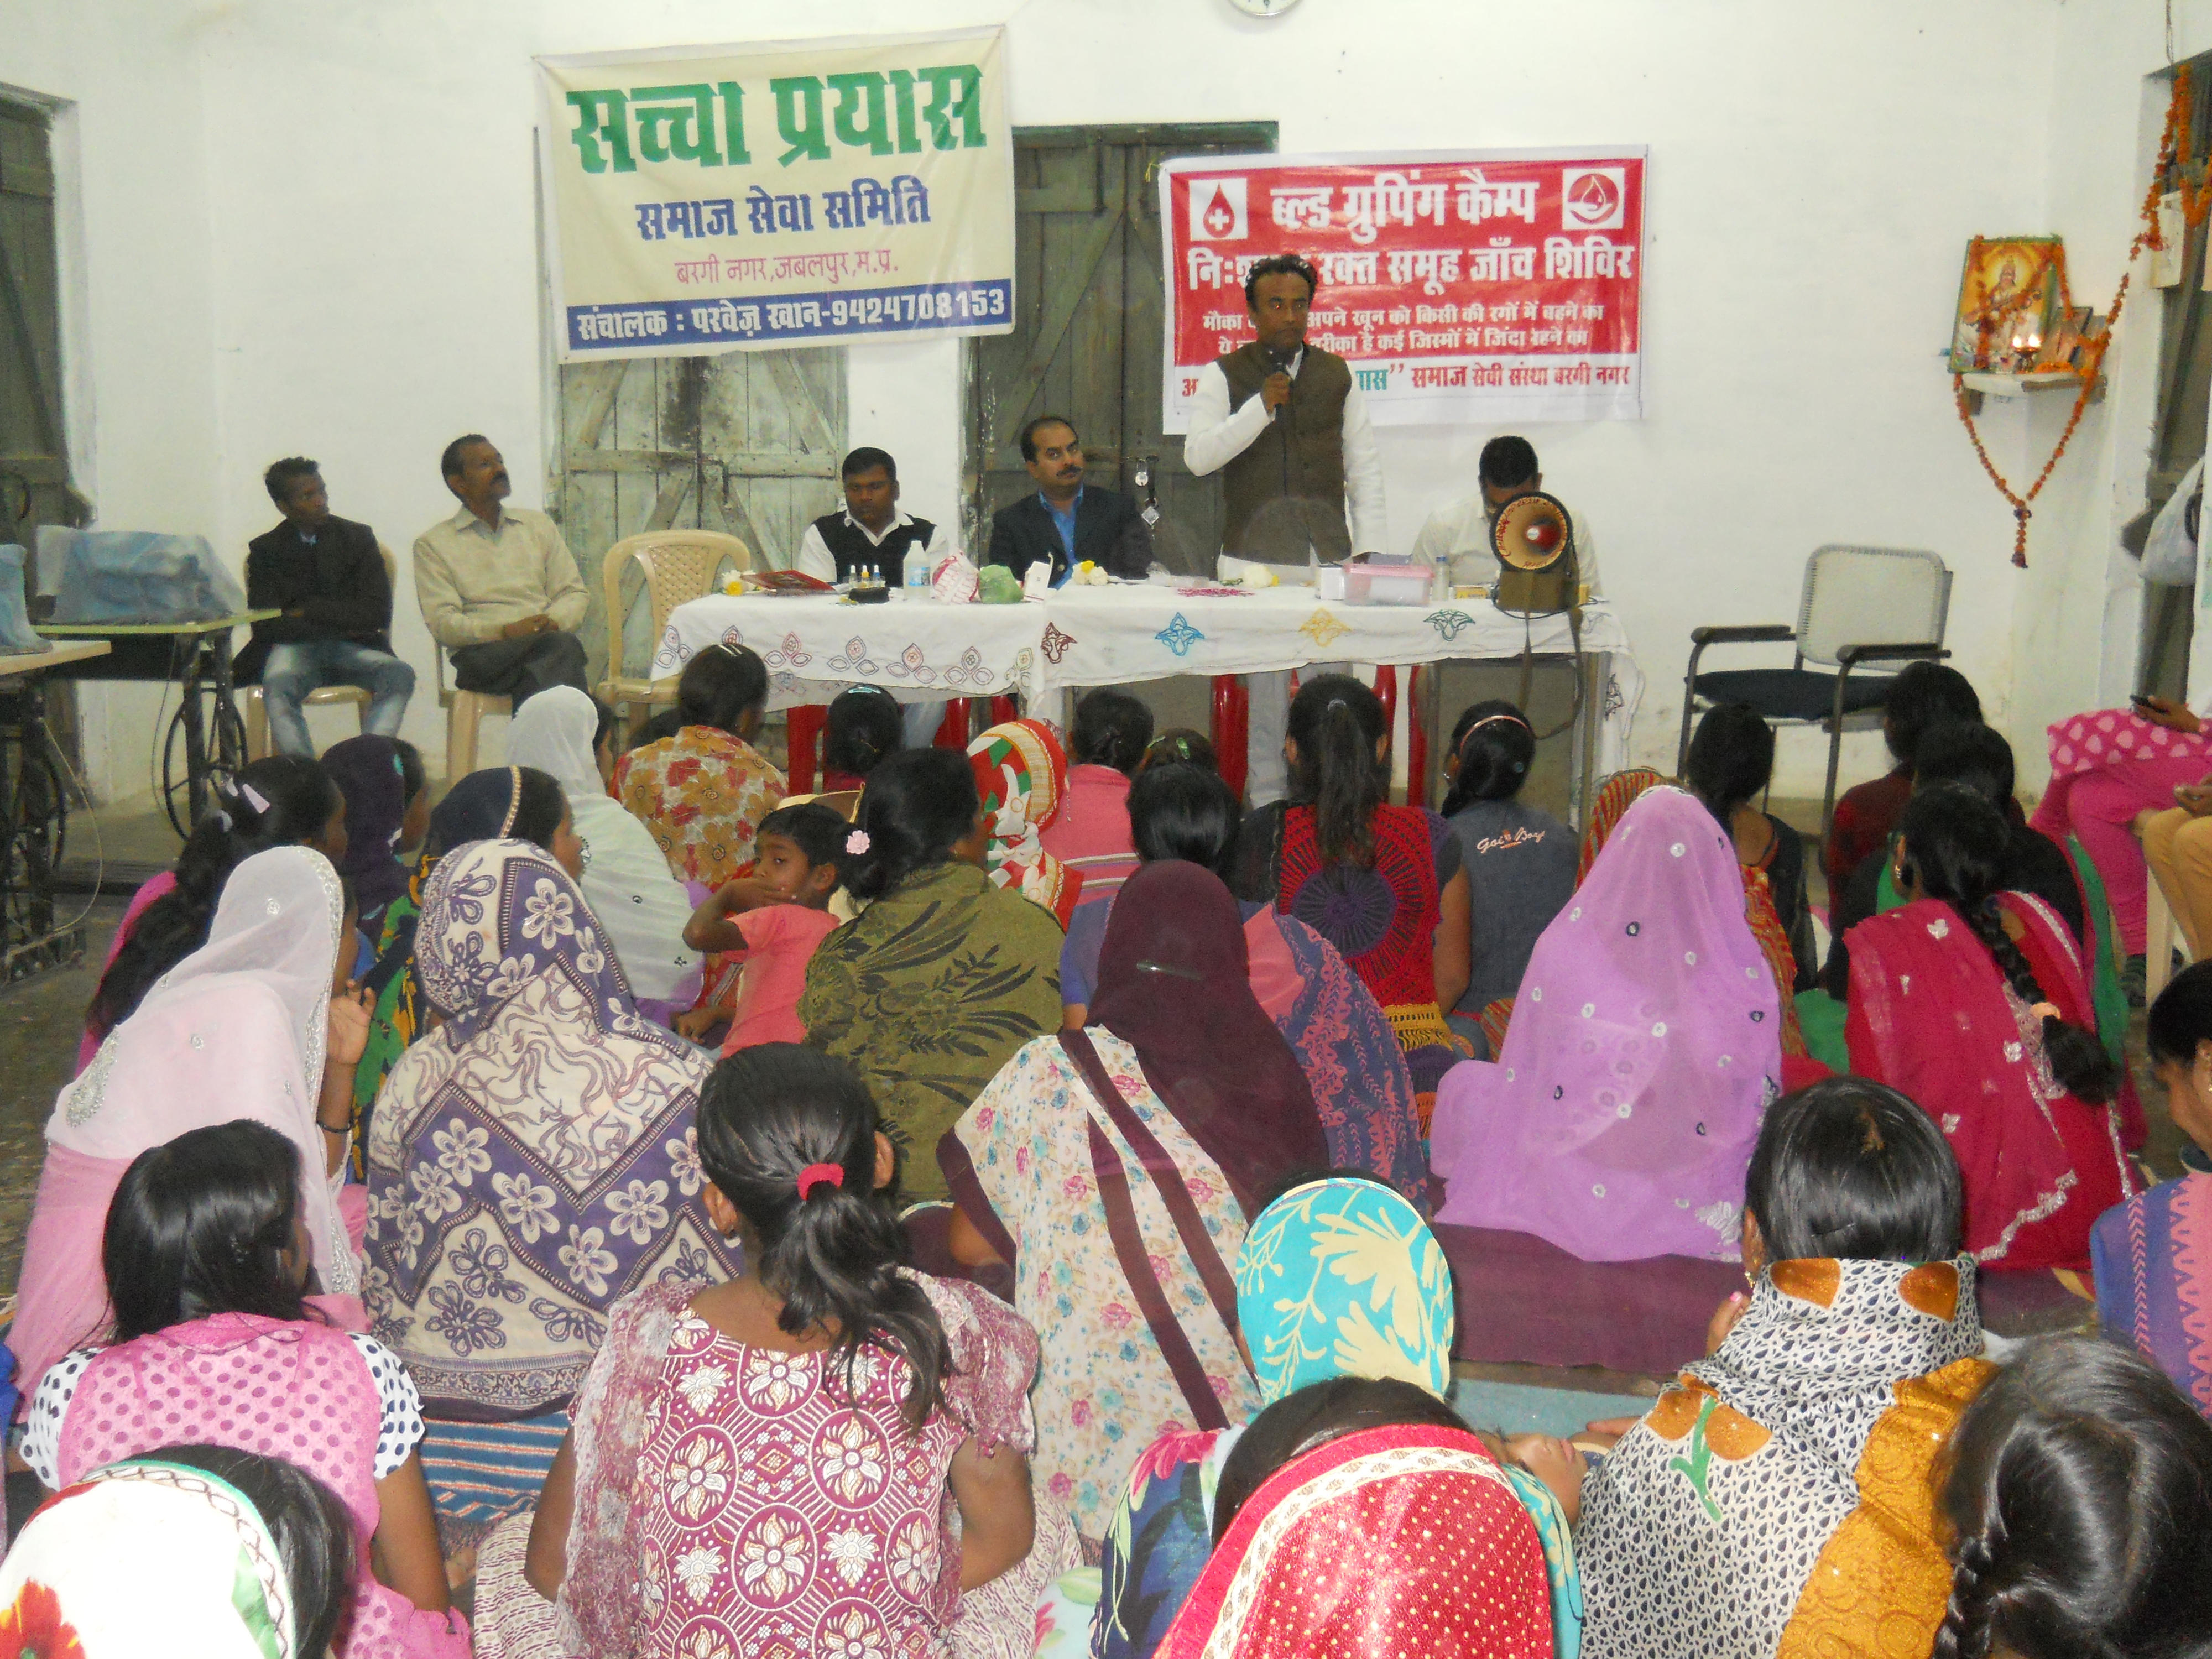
[[2079, 1494], [774, 1462], [1975, 1003]]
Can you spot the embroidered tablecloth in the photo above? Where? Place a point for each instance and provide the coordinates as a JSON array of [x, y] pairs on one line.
[[815, 645]]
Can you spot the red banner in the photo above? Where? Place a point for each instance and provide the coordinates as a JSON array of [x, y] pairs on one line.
[[1482, 285]]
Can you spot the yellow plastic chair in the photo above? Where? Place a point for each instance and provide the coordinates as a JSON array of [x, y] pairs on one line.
[[678, 565]]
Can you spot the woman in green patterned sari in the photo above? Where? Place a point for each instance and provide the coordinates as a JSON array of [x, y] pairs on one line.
[[943, 976]]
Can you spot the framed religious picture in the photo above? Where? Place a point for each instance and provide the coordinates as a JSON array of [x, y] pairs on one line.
[[2008, 305]]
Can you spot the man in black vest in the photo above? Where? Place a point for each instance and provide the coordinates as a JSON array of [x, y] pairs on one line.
[[1298, 448], [326, 575], [1285, 425], [1067, 521], [871, 530]]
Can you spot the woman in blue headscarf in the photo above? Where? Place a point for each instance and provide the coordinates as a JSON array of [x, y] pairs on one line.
[[1339, 1277]]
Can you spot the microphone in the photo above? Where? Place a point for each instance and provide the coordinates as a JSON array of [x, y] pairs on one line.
[[1282, 361]]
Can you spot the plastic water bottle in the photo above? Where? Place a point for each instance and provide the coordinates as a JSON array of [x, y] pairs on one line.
[[917, 570]]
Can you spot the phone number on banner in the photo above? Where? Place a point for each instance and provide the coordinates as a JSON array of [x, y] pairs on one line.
[[791, 316]]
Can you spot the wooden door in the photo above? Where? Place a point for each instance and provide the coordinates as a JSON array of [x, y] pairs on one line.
[[35, 486], [747, 443], [1089, 318], [2184, 396]]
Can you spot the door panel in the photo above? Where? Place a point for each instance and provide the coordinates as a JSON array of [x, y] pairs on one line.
[[1089, 317], [746, 442]]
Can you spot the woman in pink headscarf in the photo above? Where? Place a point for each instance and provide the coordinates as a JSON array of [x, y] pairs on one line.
[[1618, 1120]]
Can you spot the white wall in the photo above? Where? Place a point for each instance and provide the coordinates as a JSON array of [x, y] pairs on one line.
[[361, 279], [138, 302]]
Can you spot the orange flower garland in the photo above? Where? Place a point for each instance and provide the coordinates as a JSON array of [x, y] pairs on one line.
[[2173, 149]]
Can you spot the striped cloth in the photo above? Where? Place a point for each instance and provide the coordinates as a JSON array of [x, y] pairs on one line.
[[482, 1472]]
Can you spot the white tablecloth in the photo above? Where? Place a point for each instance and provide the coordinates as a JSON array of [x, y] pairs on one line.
[[816, 645]]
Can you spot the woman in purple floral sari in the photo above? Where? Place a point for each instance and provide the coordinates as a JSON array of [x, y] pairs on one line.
[[530, 1162]]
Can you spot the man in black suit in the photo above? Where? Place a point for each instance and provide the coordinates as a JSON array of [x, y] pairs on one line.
[[1067, 521], [326, 575]]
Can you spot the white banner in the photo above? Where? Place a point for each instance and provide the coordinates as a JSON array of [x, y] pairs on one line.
[[799, 193]]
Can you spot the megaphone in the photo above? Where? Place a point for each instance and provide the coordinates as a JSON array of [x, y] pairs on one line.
[[1534, 538]]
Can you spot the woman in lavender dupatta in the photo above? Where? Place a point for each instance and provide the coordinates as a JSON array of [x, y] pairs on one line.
[[1618, 1120], [533, 1159]]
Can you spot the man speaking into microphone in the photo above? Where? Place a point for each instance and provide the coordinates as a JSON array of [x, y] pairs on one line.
[[1285, 425]]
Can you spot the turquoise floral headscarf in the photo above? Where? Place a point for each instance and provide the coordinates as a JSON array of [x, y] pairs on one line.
[[1343, 1279]]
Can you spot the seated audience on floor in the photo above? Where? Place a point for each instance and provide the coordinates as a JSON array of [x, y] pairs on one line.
[[1520, 862], [1617, 1122], [1345, 1047], [528, 1160], [284, 801], [862, 726], [1180, 1081], [2079, 1494], [325, 577], [1338, 1278], [1358, 1517], [1384, 884], [944, 974], [2152, 1275], [1621, 791], [1090, 833], [662, 1531], [497, 586], [1923, 696], [518, 801], [1856, 1351], [1976, 756], [2113, 773], [257, 1022], [1180, 742], [1730, 765], [775, 917], [703, 791], [1021, 784], [1973, 1001], [1063, 521], [227, 1555], [214, 1342], [625, 876], [384, 807]]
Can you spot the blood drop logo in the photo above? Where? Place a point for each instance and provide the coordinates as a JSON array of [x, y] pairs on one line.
[[1216, 210], [1592, 198]]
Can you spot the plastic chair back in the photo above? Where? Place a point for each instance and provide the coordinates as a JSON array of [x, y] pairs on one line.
[[679, 565], [1871, 596]]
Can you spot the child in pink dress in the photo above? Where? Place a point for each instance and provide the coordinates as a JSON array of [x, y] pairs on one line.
[[782, 912], [827, 1455]]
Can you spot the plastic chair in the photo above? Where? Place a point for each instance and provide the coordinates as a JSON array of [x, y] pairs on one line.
[[679, 565], [2162, 937], [257, 709], [1858, 604], [464, 713]]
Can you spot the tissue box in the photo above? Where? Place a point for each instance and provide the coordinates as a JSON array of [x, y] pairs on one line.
[[1372, 583]]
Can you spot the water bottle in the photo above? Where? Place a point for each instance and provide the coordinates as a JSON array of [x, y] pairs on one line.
[[917, 570]]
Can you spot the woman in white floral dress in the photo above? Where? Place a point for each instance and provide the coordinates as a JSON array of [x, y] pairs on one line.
[[773, 1464], [530, 1162]]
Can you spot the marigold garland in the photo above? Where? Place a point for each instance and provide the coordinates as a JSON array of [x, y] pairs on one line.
[[2174, 150]]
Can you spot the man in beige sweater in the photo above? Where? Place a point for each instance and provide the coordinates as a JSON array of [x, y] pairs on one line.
[[497, 585]]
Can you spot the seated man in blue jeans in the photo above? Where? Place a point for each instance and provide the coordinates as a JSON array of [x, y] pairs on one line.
[[327, 577]]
